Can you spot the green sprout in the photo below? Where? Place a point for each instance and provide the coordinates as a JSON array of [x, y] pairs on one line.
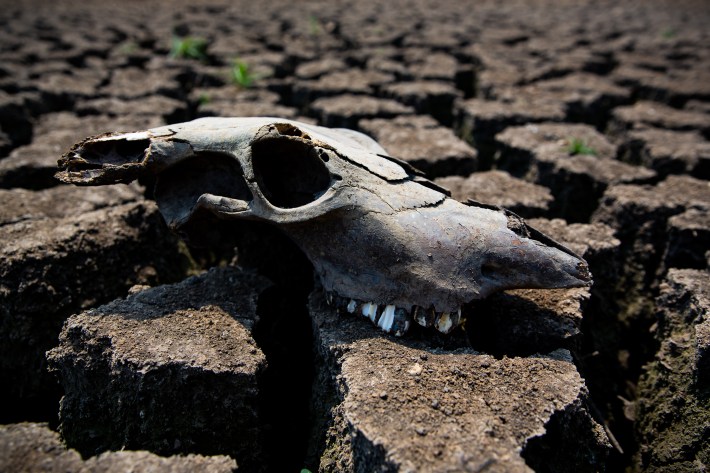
[[314, 26], [578, 146], [189, 47], [241, 75], [668, 33]]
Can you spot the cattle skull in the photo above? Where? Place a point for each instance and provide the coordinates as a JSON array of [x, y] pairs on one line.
[[384, 241]]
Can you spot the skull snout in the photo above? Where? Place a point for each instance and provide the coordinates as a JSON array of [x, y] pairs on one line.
[[525, 263]]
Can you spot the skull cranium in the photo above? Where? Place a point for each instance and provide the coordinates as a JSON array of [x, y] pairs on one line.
[[383, 239]]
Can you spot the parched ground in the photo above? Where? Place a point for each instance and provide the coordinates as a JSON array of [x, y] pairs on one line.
[[591, 119]]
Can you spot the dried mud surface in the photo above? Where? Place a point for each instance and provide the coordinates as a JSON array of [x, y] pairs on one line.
[[591, 119]]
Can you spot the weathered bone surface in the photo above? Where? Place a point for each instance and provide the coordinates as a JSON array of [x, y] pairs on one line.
[[384, 241]]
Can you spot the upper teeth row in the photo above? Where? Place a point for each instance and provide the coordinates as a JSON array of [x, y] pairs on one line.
[[397, 320]]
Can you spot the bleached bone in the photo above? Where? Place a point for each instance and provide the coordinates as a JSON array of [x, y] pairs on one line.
[[384, 241]]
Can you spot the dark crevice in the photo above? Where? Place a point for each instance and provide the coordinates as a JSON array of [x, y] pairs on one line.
[[561, 449], [283, 332]]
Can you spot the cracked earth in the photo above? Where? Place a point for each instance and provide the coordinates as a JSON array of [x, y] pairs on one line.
[[126, 348]]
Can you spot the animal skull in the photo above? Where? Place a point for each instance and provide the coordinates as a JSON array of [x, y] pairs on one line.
[[384, 241]]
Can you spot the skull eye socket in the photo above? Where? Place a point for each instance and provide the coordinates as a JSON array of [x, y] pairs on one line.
[[290, 173], [178, 188]]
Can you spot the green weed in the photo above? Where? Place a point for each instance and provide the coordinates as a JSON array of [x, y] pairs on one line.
[[668, 33], [242, 75], [314, 26], [189, 47], [577, 146]]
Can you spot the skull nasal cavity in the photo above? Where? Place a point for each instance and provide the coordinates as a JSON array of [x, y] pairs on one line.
[[290, 173], [114, 152]]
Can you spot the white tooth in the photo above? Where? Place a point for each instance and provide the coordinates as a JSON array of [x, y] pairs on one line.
[[369, 310], [387, 318], [444, 322], [329, 298], [352, 305]]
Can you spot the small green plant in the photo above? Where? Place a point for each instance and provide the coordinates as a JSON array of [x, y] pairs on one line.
[[241, 75], [189, 47], [578, 146], [314, 26], [668, 33]]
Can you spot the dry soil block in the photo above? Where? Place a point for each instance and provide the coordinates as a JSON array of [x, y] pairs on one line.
[[427, 97], [575, 161], [501, 189], [520, 146], [667, 152], [672, 412], [131, 83], [229, 101], [673, 85], [154, 107], [29, 448], [423, 143], [652, 114], [352, 81], [172, 369], [588, 98], [641, 215], [480, 120], [345, 111], [65, 249], [399, 405]]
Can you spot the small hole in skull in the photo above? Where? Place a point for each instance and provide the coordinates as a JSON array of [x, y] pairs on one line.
[[287, 129], [289, 172]]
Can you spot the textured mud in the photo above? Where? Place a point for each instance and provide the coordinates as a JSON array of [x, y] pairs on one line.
[[590, 119]]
